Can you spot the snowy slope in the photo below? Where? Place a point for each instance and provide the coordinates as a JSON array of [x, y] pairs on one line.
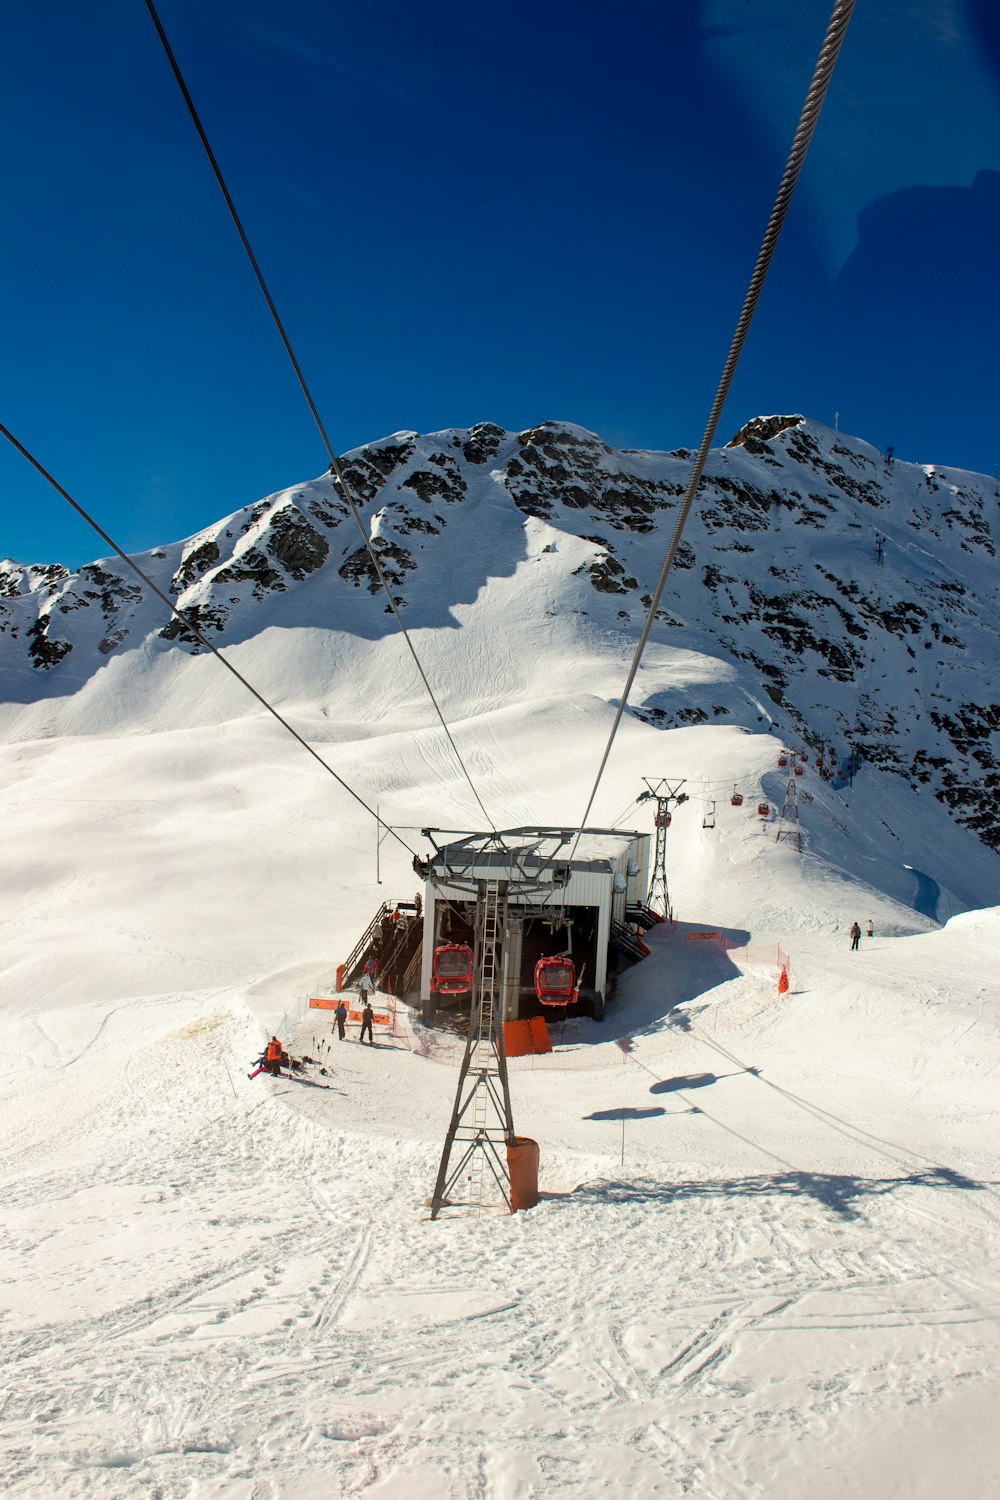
[[766, 1259], [778, 581]]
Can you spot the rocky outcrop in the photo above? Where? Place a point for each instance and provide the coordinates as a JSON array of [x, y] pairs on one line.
[[849, 589], [755, 435], [297, 546]]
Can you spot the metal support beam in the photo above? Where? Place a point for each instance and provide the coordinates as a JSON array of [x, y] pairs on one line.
[[665, 792], [482, 1124], [789, 826]]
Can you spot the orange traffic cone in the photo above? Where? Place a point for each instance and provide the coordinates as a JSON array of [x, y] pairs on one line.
[[783, 981]]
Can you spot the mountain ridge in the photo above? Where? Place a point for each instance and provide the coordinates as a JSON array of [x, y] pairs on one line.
[[852, 595]]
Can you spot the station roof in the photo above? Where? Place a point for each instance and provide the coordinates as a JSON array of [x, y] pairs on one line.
[[591, 850]]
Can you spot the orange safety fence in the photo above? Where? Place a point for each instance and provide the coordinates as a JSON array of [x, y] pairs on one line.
[[386, 1018], [761, 956]]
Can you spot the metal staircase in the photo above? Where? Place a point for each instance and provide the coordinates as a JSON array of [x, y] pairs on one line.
[[641, 915], [625, 941], [481, 1121], [397, 955]]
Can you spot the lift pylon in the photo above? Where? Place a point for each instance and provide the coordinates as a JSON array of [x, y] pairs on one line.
[[482, 1124], [665, 792], [789, 826]]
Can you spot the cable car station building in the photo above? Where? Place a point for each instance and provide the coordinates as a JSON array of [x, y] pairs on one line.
[[571, 904]]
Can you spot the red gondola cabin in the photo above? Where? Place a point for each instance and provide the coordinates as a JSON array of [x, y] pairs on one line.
[[452, 969], [736, 800], [554, 980], [764, 808]]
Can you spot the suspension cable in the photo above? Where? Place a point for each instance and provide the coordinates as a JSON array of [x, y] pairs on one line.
[[822, 74], [194, 629], [335, 464]]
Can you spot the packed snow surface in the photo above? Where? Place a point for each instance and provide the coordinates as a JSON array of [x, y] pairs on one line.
[[765, 1262]]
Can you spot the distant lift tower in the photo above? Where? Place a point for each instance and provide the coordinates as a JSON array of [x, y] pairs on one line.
[[664, 792], [482, 1125], [789, 826]]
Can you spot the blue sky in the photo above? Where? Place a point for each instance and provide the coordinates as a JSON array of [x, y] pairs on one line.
[[505, 213]]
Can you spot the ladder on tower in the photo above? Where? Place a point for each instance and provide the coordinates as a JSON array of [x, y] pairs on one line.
[[481, 1122]]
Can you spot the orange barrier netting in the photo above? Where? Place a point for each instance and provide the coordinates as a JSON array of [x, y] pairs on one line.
[[386, 1016]]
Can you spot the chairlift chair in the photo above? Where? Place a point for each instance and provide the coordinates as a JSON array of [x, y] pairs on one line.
[[452, 969], [554, 980]]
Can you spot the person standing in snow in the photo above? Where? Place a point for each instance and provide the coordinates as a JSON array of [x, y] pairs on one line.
[[855, 937], [870, 929], [340, 1016], [367, 1017]]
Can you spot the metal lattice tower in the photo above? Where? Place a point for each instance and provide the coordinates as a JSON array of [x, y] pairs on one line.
[[482, 1124], [789, 826], [664, 793]]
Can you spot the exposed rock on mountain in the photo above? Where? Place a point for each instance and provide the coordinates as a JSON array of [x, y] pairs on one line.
[[853, 595]]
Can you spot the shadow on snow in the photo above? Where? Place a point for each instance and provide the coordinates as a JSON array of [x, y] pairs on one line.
[[838, 1192]]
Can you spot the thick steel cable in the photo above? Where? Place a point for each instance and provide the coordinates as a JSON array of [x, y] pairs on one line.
[[335, 465], [822, 74], [193, 628]]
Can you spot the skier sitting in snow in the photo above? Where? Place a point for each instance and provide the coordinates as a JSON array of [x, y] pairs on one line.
[[271, 1058]]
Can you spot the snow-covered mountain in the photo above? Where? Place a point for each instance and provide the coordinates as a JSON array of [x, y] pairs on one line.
[[765, 1259], [844, 597]]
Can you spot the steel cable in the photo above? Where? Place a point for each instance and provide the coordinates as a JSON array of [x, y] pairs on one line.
[[822, 74], [194, 629], [335, 465]]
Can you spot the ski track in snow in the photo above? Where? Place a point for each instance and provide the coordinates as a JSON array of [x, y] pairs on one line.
[[289, 1312]]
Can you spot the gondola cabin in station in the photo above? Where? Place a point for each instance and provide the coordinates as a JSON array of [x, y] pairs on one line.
[[452, 969], [554, 981], [565, 905]]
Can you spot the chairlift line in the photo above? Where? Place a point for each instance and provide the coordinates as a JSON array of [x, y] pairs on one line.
[[813, 103], [335, 465], [190, 625]]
